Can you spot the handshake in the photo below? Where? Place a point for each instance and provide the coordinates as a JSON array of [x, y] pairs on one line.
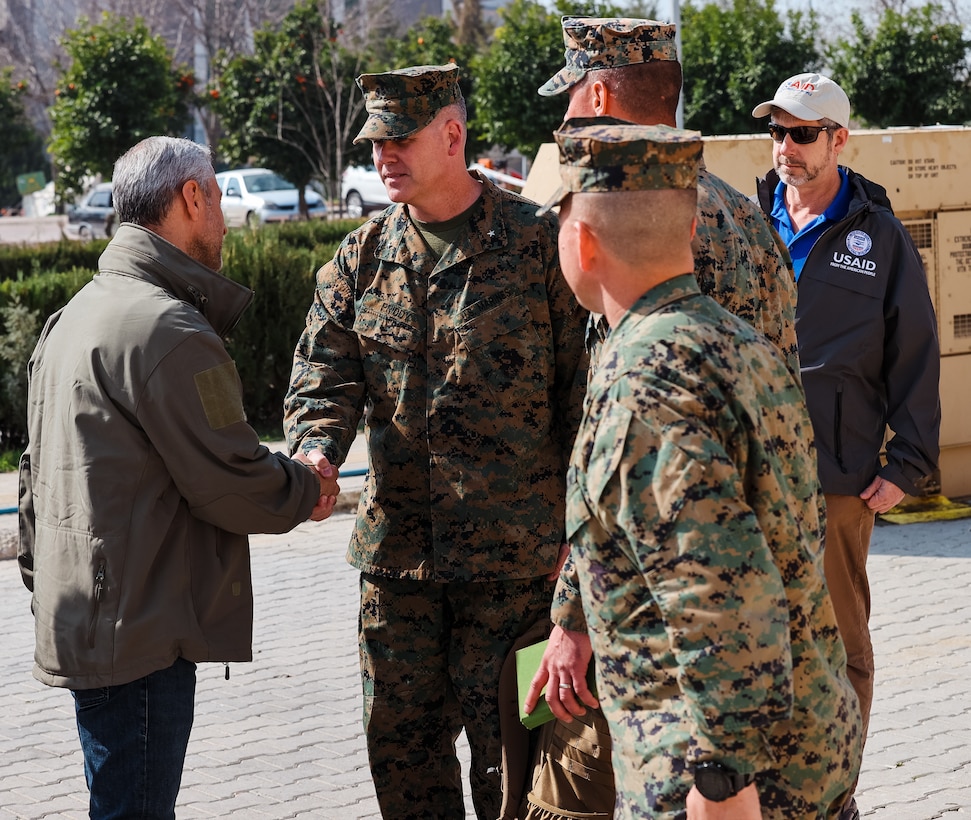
[[327, 474]]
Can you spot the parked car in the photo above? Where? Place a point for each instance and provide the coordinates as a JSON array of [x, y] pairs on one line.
[[362, 190], [93, 216], [255, 196]]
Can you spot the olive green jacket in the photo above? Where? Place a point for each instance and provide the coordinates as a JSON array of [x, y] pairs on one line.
[[142, 478]]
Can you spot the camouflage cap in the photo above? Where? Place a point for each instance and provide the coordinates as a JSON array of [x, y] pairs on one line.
[[607, 42], [401, 102], [604, 154]]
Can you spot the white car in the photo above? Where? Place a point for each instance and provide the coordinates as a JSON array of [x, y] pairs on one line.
[[363, 191], [255, 196]]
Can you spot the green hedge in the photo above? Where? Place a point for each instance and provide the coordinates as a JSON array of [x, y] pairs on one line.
[[277, 262], [22, 261]]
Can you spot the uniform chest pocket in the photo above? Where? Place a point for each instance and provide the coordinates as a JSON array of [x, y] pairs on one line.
[[501, 339], [391, 338], [383, 323]]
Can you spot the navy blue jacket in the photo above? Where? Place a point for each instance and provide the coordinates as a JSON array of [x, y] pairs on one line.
[[868, 347]]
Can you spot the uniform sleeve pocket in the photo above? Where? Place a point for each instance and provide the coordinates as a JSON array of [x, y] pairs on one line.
[[606, 447], [577, 510], [602, 451]]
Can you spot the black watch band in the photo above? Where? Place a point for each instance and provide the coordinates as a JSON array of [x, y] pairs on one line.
[[718, 783]]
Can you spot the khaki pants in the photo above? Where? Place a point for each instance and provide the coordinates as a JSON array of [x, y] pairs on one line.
[[573, 777], [849, 525]]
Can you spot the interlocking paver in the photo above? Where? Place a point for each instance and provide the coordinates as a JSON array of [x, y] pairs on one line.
[[282, 738]]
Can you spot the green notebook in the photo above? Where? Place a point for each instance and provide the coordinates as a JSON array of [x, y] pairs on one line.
[[527, 662]]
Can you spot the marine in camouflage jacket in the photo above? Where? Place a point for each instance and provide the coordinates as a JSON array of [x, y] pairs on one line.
[[469, 372], [693, 517], [740, 262]]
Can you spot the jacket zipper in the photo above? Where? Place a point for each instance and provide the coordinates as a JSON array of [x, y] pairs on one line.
[[199, 297], [99, 584]]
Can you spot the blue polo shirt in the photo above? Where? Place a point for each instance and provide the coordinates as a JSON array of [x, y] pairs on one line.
[[801, 243]]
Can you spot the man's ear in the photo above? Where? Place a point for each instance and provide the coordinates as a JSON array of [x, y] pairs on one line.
[[588, 246], [454, 132], [192, 199], [694, 226], [840, 139], [599, 97]]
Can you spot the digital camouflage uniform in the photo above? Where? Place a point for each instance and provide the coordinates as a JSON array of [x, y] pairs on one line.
[[742, 263], [399, 103], [466, 370], [739, 259], [609, 42], [694, 524]]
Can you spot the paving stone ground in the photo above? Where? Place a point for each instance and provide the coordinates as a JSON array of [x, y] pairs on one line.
[[282, 738]]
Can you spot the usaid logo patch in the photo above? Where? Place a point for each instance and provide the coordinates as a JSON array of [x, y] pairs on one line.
[[858, 243]]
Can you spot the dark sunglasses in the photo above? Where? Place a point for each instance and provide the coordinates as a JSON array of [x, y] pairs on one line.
[[799, 134]]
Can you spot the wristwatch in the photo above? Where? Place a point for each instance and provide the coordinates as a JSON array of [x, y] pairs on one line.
[[718, 783]]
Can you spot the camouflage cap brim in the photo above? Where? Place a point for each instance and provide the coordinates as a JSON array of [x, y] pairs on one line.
[[401, 103], [609, 42], [607, 155], [390, 126], [563, 80], [554, 201]]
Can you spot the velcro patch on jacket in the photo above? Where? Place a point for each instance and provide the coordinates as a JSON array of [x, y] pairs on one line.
[[220, 395]]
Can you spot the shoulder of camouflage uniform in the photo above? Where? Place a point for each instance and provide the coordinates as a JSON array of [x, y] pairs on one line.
[[371, 230], [518, 198], [711, 181], [526, 206]]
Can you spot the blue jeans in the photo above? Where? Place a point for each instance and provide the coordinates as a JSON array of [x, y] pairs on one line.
[[134, 738]]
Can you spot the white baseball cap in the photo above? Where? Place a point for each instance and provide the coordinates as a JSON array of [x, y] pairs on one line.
[[809, 97]]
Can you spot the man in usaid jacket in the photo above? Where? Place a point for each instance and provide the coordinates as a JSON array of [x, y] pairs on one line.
[[868, 345]]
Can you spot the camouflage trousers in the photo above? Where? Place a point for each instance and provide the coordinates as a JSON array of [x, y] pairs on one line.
[[573, 777], [431, 654], [573, 780]]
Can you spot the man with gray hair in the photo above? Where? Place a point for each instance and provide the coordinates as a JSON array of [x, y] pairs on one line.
[[142, 480]]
